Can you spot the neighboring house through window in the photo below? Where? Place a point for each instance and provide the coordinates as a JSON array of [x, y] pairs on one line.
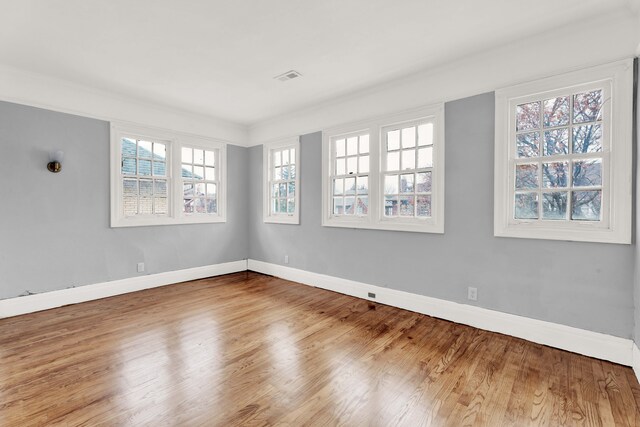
[[281, 166]]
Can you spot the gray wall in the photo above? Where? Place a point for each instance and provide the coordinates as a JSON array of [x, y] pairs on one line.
[[585, 285], [54, 229], [636, 287]]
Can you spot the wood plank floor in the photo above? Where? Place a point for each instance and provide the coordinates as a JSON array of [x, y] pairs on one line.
[[247, 349]]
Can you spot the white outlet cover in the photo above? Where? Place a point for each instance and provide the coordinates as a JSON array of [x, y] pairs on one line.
[[472, 294], [140, 267]]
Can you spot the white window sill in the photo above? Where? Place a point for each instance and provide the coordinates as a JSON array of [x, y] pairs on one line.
[[282, 219], [576, 232], [147, 222], [413, 226]]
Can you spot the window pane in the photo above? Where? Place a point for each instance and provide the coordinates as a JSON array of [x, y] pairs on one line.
[[130, 196], [408, 159], [128, 147], [587, 139], [393, 140], [586, 205], [409, 137], [362, 206], [285, 157], [425, 134], [352, 146], [199, 189], [212, 206], [200, 205], [340, 148], [554, 205], [211, 190], [362, 185], [145, 149], [407, 206], [406, 183], [341, 166], [209, 158], [210, 173], [528, 116], [160, 205], [188, 190], [198, 157], [338, 186], [128, 166], [393, 161], [159, 151], [146, 205], [364, 144], [291, 206], [160, 188], [144, 167], [556, 111], [198, 172], [291, 189], [187, 171], [187, 155], [159, 168], [528, 144], [556, 142], [285, 172], [363, 164], [282, 206], [292, 171], [274, 205], [587, 173], [423, 184], [390, 205], [187, 205], [292, 156], [425, 157], [423, 206], [277, 173], [555, 174], [283, 190], [338, 205], [391, 184], [526, 176], [349, 205], [587, 107], [146, 187], [352, 165], [350, 186], [275, 188], [526, 206]]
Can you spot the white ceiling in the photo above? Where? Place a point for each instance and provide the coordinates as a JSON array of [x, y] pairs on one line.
[[219, 58]]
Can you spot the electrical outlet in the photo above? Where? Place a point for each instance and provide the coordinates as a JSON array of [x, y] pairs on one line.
[[141, 267], [286, 259], [472, 293], [371, 295]]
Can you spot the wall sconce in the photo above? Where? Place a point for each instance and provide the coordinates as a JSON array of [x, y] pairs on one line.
[[55, 161]]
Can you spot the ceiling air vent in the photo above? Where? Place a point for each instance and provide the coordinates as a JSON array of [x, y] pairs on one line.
[[289, 75]]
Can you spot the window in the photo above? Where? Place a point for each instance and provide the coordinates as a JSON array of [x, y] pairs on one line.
[[563, 157], [386, 173], [162, 178], [281, 165]]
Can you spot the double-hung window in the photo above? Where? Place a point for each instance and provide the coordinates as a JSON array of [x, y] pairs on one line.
[[159, 177], [281, 166], [386, 173], [563, 157]]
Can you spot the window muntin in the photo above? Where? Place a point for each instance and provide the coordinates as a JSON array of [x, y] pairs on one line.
[[281, 164], [199, 181], [560, 157], [563, 153], [408, 165], [402, 178], [143, 176], [350, 177]]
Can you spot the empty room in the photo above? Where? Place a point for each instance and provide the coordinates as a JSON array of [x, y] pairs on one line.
[[319, 213]]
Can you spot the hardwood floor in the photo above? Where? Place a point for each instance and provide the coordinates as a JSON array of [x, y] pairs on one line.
[[248, 349]]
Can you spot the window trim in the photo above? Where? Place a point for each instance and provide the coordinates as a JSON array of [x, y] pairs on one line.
[[175, 141], [615, 226], [267, 149], [376, 219]]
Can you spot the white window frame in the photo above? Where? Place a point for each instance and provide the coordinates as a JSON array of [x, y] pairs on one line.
[[375, 218], [174, 142], [267, 168], [615, 226]]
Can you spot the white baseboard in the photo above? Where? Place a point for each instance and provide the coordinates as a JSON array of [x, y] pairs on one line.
[[46, 300], [592, 344], [636, 361]]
